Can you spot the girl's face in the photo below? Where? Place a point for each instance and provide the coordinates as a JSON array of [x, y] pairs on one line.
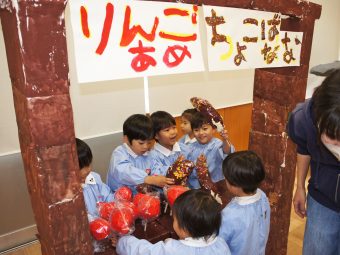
[[186, 126], [332, 145], [182, 234], [327, 140], [167, 137], [204, 134]]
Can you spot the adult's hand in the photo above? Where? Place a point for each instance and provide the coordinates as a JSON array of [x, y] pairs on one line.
[[299, 202]]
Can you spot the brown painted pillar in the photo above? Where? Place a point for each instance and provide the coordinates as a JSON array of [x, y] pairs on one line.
[[34, 33], [276, 93]]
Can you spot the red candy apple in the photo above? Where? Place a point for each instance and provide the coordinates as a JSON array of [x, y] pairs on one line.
[[100, 229], [149, 207], [105, 209], [122, 221], [174, 192], [137, 198], [129, 205], [123, 193]]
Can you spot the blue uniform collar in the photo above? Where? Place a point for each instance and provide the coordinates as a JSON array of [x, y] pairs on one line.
[[199, 242], [89, 180], [165, 151], [131, 152], [248, 199], [188, 140]]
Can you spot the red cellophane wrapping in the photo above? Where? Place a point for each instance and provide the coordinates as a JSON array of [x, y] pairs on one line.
[[123, 193], [129, 205], [122, 219], [149, 206], [137, 198], [100, 229], [105, 209], [173, 192]]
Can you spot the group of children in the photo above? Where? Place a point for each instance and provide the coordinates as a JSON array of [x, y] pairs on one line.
[[203, 227]]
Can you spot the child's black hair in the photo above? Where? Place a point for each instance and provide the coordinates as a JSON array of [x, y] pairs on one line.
[[326, 106], [189, 113], [198, 213], [84, 154], [138, 127], [199, 119], [161, 120], [244, 169]]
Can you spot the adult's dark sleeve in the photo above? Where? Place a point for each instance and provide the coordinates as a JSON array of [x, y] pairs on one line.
[[296, 129]]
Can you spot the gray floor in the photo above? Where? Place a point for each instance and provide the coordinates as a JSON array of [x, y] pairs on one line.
[[17, 224]]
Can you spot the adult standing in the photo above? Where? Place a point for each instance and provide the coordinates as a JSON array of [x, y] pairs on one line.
[[315, 127]]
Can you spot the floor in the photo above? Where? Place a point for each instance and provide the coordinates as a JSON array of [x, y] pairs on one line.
[[294, 240], [295, 237]]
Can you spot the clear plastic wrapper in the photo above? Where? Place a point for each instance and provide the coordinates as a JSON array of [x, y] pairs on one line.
[[149, 206], [180, 170], [173, 192], [137, 198], [129, 205], [204, 178], [100, 229], [122, 220], [105, 209], [144, 188], [123, 193], [207, 109]]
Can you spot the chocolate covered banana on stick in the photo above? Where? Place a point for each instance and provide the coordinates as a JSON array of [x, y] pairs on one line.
[[204, 178], [180, 170], [207, 109]]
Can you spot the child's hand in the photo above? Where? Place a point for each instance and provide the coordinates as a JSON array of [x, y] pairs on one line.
[[114, 240], [224, 135], [170, 181], [226, 142], [158, 180]]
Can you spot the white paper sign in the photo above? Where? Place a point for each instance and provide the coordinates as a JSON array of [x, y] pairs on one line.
[[125, 39], [240, 38]]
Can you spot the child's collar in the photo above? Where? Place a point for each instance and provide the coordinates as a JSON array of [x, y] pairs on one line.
[[89, 180], [199, 242], [165, 151], [131, 152], [189, 140], [246, 200]]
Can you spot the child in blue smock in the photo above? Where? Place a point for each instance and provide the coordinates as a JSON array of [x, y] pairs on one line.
[[197, 218], [166, 149], [214, 149], [246, 219], [130, 162], [94, 189], [188, 138]]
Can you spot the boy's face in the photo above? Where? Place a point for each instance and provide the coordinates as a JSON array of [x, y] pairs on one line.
[[139, 146], [167, 137], [186, 126], [84, 172], [204, 134]]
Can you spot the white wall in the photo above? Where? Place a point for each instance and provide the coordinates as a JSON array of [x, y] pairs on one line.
[[8, 126], [100, 108], [326, 41]]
